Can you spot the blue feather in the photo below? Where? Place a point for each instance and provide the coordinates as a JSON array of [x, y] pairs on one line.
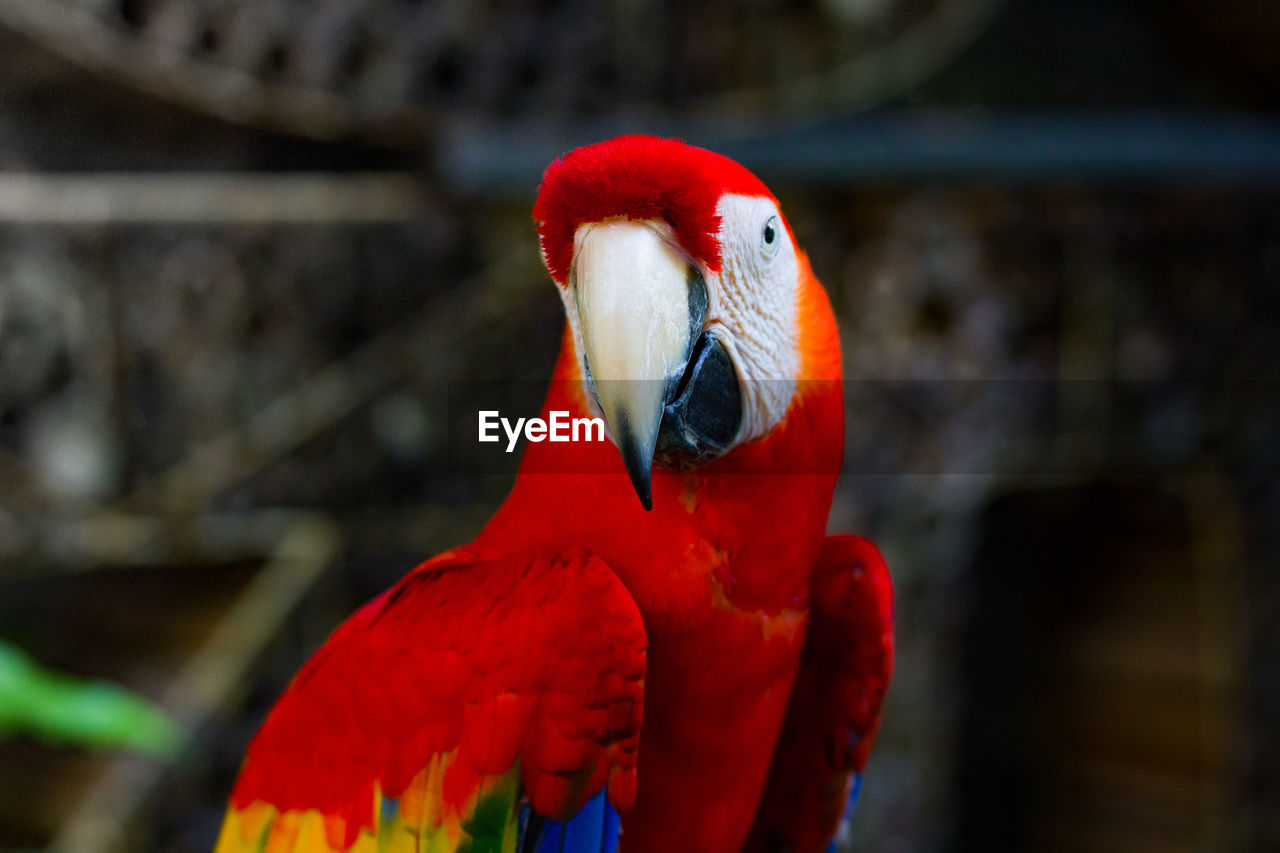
[[594, 829], [843, 831], [853, 798]]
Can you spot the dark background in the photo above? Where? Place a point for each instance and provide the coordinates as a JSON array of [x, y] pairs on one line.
[[246, 249]]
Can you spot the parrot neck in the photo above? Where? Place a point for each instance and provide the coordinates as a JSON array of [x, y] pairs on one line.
[[741, 531], [720, 571]]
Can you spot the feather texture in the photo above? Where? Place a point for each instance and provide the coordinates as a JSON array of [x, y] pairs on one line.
[[638, 177], [835, 706], [594, 829], [438, 706]]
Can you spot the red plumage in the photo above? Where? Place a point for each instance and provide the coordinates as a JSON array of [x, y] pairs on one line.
[[482, 656], [834, 712], [638, 177], [530, 650]]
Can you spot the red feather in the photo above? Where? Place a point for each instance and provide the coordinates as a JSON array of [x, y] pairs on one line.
[[836, 701], [638, 177], [485, 657]]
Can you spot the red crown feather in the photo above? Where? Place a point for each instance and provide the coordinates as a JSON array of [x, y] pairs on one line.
[[638, 177]]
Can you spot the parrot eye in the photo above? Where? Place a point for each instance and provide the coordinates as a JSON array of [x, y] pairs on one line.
[[769, 237]]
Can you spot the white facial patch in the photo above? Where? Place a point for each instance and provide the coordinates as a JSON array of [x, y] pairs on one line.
[[753, 302]]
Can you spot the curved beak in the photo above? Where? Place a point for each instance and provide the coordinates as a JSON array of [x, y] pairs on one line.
[[641, 304]]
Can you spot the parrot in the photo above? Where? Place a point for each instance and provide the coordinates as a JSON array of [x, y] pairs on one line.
[[653, 645]]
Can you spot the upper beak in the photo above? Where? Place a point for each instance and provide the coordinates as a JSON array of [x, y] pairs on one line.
[[641, 304]]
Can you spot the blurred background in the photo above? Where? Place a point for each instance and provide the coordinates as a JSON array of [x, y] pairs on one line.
[[246, 249]]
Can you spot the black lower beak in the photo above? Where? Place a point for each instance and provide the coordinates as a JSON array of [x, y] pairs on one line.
[[704, 413]]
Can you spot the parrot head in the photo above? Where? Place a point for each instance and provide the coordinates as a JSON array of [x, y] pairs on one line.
[[680, 280]]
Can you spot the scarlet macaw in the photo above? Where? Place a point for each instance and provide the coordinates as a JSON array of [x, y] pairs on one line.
[[593, 664]]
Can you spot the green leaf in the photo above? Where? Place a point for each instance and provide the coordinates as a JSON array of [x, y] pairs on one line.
[[63, 710]]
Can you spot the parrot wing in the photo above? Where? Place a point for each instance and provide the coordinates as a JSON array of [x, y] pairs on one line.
[[477, 705], [834, 709]]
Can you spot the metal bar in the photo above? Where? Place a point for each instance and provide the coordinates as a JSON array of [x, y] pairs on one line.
[[208, 197], [1112, 148]]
